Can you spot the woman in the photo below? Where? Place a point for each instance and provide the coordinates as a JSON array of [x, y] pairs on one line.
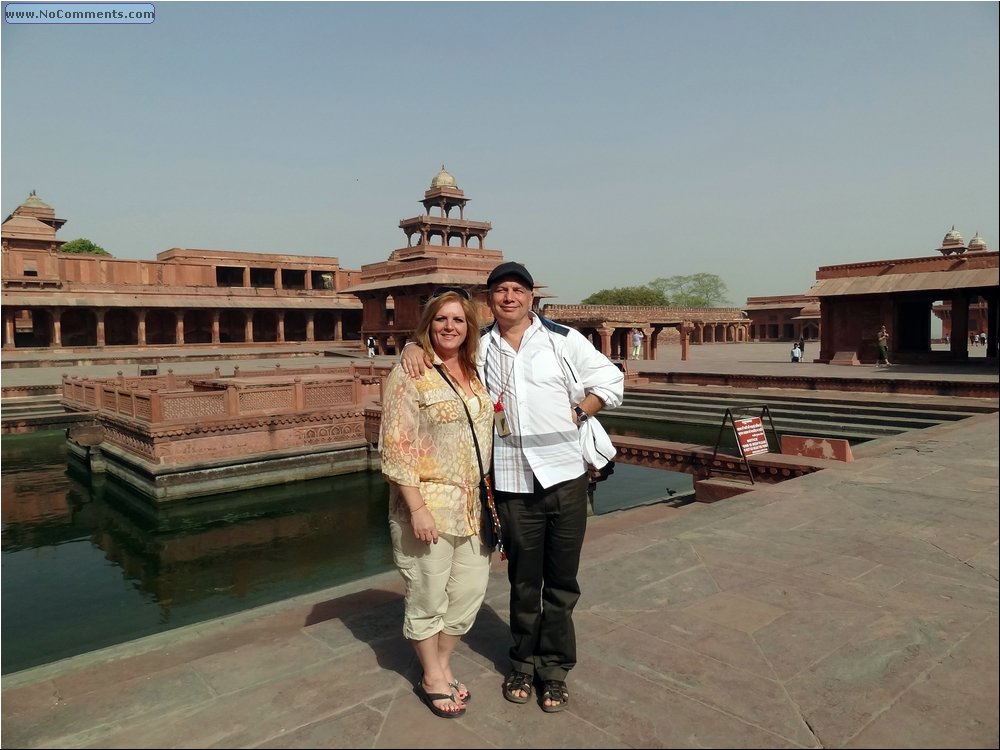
[[429, 459]]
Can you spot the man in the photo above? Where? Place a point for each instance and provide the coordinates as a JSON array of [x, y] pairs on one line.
[[545, 380], [883, 348], [370, 343]]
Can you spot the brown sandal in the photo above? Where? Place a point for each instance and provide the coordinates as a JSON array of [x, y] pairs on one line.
[[556, 693], [516, 682]]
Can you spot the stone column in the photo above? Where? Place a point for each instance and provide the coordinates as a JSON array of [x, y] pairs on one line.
[[141, 333], [606, 332], [8, 329], [647, 343], [959, 326], [57, 326], [281, 327], [248, 329], [310, 325], [216, 337], [338, 326], [685, 329], [99, 313], [179, 328]]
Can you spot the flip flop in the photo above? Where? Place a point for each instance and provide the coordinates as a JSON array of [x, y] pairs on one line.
[[458, 692], [429, 698]]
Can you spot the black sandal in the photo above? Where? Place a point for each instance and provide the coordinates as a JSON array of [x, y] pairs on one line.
[[456, 683], [556, 693], [516, 682], [429, 698]]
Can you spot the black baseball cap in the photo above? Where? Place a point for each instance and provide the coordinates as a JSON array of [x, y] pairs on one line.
[[510, 269]]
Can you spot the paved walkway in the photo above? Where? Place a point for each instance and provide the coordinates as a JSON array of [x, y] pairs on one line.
[[853, 607]]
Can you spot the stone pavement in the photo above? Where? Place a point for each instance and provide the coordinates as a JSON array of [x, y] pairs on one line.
[[852, 607]]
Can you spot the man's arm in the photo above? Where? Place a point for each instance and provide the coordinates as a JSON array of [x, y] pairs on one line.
[[414, 360], [602, 381]]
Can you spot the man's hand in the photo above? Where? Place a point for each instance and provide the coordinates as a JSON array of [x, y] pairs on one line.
[[414, 361]]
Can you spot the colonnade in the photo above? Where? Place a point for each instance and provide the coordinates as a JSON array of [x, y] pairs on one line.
[[58, 326]]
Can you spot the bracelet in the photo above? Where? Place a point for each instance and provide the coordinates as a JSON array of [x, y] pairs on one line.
[[414, 510]]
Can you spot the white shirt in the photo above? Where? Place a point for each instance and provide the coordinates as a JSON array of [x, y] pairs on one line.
[[538, 385]]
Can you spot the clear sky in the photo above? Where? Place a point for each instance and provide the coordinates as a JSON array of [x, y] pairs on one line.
[[608, 143]]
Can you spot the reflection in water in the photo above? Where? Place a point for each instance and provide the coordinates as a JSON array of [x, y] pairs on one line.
[[88, 564]]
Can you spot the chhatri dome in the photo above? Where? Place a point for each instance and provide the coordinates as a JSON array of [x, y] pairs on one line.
[[953, 236], [952, 242], [33, 201], [443, 179], [977, 243]]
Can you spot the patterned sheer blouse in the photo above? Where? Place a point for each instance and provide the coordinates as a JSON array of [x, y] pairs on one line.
[[426, 442]]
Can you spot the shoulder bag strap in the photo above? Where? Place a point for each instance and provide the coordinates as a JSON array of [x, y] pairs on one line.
[[475, 441]]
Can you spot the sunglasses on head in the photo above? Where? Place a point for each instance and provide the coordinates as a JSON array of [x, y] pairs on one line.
[[456, 289]]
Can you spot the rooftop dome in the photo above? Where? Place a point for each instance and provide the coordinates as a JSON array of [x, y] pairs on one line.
[[977, 243], [33, 201], [443, 179], [952, 242]]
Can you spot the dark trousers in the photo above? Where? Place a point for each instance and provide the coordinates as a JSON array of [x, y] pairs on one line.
[[543, 535]]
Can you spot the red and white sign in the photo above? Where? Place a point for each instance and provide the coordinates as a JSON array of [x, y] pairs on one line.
[[750, 435]]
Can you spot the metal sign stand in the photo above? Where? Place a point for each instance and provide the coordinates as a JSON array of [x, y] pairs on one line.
[[728, 417]]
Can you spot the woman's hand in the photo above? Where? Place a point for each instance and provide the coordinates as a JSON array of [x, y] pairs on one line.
[[424, 528], [414, 362]]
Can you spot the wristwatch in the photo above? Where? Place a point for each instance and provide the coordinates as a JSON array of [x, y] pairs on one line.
[[581, 415]]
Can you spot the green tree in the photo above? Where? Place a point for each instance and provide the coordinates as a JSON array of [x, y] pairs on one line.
[[697, 290], [83, 246], [640, 296]]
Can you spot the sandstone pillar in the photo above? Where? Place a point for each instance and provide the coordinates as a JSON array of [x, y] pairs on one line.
[[606, 332], [959, 327], [216, 338], [8, 329], [311, 325], [685, 332], [99, 314], [57, 327], [141, 333]]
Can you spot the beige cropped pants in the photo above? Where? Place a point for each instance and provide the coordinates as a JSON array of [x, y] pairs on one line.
[[445, 582]]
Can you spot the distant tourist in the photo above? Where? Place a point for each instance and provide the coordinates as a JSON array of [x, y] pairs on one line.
[[883, 348], [370, 343], [637, 337], [796, 353], [434, 427]]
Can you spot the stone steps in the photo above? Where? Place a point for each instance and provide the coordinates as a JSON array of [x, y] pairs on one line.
[[803, 414]]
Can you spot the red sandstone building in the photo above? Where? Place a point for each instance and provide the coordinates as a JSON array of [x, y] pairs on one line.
[[189, 297], [856, 299], [848, 304], [185, 297], [192, 297]]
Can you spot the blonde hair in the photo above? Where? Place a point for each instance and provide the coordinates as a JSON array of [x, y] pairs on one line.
[[469, 352]]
